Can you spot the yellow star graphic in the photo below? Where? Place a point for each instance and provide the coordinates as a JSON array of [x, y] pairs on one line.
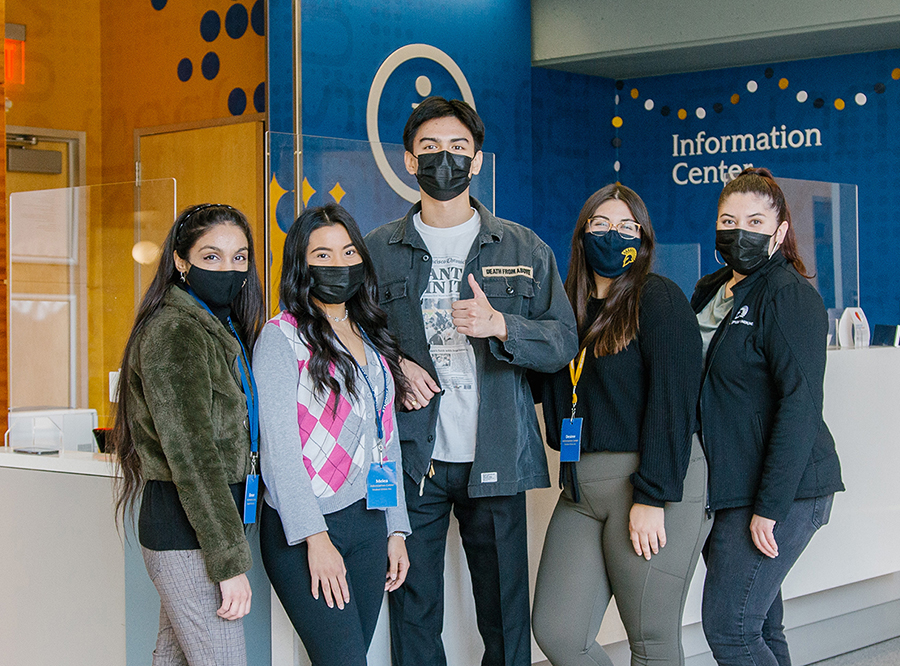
[[337, 192], [308, 191]]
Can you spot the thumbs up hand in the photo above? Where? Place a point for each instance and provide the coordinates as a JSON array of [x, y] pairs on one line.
[[476, 318]]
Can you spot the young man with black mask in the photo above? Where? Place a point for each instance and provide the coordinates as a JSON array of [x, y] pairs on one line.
[[475, 301]]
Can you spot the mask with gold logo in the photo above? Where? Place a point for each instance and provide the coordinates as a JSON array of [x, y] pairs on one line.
[[610, 255]]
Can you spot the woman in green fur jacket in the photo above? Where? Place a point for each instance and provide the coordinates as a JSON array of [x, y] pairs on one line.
[[182, 433]]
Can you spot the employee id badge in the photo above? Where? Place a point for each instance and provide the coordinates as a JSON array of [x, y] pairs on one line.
[[251, 494], [570, 440], [381, 485]]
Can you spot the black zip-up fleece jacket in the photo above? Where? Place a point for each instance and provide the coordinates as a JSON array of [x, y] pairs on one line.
[[761, 398], [517, 272]]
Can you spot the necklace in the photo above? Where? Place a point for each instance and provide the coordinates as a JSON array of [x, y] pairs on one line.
[[341, 319]]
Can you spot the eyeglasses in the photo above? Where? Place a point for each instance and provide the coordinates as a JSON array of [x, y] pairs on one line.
[[600, 226]]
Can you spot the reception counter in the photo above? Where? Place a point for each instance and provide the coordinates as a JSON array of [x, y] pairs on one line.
[[74, 591]]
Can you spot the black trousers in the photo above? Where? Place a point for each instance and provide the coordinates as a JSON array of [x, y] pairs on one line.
[[495, 541], [332, 637]]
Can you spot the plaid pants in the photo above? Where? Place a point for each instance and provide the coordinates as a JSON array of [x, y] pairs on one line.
[[190, 632]]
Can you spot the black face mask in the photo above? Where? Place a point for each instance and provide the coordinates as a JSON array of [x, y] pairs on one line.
[[744, 251], [336, 284], [610, 255], [216, 288], [444, 175]]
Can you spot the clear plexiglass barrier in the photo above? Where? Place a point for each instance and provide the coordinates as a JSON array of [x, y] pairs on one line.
[[825, 219], [368, 179], [80, 257]]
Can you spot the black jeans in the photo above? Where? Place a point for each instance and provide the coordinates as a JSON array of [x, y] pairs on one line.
[[494, 537], [332, 637], [742, 607]]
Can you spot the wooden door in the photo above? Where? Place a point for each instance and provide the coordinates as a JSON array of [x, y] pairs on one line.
[[220, 164]]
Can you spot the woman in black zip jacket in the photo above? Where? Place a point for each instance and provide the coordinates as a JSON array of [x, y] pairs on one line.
[[772, 462]]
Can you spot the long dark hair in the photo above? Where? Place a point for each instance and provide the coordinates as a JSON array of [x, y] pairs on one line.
[[761, 182], [617, 323], [312, 322], [248, 312]]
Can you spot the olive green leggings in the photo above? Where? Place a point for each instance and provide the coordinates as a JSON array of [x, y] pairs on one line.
[[588, 558]]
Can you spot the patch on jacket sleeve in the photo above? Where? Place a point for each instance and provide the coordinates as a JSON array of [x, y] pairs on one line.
[[506, 271], [489, 477]]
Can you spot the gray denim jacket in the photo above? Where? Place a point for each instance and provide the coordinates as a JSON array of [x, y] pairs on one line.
[[518, 273]]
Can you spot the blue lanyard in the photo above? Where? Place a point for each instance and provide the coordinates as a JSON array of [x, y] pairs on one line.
[[248, 383], [379, 412]]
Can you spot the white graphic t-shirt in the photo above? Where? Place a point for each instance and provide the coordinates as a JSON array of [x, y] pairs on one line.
[[453, 356]]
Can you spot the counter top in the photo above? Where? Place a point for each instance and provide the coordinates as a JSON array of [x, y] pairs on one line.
[[65, 462]]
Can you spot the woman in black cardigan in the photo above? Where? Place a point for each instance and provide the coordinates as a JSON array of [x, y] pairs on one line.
[[631, 519], [773, 465]]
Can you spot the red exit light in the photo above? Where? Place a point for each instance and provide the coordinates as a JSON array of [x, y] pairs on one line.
[[14, 52]]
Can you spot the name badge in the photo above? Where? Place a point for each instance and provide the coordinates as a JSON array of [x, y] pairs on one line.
[[251, 495], [381, 485], [570, 440]]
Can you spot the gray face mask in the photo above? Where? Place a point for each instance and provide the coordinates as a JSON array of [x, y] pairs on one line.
[[444, 175]]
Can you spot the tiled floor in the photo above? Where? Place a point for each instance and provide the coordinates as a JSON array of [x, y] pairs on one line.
[[880, 654]]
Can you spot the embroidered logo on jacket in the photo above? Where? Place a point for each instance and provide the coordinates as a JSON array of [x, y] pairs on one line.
[[739, 317]]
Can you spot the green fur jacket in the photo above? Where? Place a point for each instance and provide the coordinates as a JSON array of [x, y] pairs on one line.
[[188, 416]]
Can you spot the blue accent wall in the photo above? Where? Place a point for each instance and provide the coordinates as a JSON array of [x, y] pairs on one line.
[[573, 155], [345, 43], [850, 102], [558, 137]]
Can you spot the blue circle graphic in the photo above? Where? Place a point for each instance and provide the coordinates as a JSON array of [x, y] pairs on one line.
[[284, 211], [258, 18], [210, 66], [210, 25], [259, 98], [158, 4], [185, 69], [236, 21], [237, 101]]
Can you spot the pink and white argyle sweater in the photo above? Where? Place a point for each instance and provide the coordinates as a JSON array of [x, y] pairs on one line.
[[334, 444]]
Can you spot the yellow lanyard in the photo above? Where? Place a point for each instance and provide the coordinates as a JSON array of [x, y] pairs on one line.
[[575, 375]]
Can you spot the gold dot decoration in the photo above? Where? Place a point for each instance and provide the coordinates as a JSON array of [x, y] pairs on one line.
[[752, 86], [617, 121]]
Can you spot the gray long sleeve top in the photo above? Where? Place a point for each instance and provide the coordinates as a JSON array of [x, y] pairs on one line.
[[279, 370]]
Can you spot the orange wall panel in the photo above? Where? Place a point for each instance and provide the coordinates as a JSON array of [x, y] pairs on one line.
[[147, 54], [62, 71]]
